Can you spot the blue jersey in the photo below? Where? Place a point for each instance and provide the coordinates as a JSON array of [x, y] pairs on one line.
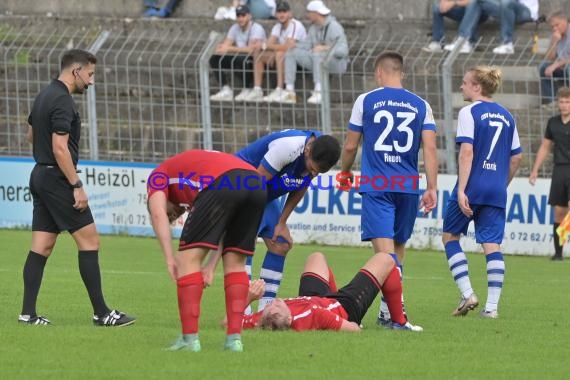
[[281, 154], [391, 121], [493, 132]]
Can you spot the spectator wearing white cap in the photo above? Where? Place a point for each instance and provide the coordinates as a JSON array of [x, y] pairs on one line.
[[326, 36]]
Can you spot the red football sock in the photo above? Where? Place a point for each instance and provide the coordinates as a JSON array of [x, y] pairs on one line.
[[190, 288], [236, 285], [392, 292], [332, 282]]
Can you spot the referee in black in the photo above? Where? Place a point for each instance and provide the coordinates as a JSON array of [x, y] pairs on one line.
[[60, 202], [557, 134]]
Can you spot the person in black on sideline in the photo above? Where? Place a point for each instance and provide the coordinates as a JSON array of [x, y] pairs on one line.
[[60, 202]]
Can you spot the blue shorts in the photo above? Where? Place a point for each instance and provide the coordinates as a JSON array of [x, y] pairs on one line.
[[270, 219], [389, 215], [489, 222]]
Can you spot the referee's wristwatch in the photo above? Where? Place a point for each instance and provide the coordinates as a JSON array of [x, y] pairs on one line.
[[77, 185]]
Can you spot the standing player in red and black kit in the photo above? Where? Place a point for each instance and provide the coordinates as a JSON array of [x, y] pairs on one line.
[[320, 306], [225, 200], [60, 202]]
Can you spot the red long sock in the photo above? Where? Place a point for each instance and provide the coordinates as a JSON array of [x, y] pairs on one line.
[[332, 282], [236, 285], [190, 288], [392, 292]]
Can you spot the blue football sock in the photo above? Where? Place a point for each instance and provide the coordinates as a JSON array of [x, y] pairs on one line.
[[495, 278], [459, 267], [271, 273]]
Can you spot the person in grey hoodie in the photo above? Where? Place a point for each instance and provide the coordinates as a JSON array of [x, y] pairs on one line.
[[325, 34]]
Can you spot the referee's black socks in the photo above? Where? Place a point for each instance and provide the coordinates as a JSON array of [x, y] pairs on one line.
[[33, 273], [557, 246], [91, 276]]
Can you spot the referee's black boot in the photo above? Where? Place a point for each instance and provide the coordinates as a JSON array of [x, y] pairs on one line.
[[113, 318]]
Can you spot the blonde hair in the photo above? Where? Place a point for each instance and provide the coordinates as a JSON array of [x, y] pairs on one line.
[[563, 92], [274, 322], [489, 78], [558, 14]]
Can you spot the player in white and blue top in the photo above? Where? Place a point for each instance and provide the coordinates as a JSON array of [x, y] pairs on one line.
[[392, 122], [489, 156], [288, 160]]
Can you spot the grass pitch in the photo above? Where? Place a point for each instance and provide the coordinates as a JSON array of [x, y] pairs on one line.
[[529, 341]]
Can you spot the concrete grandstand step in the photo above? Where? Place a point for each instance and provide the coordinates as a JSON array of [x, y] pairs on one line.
[[401, 12], [510, 101], [519, 73], [265, 116], [141, 142]]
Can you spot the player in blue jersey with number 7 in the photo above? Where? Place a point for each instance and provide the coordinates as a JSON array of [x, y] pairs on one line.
[[392, 122], [489, 156]]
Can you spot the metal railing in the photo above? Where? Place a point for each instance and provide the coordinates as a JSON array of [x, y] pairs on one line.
[[153, 87]]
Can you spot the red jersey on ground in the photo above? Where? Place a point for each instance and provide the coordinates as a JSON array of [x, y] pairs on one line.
[[309, 313], [183, 176]]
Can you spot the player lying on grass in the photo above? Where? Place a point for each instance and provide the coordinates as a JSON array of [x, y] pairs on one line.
[[320, 306]]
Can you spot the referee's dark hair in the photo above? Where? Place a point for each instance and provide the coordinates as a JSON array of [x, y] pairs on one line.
[[325, 151], [72, 56]]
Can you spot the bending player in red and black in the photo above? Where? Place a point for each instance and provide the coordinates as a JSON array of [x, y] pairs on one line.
[[321, 307], [225, 199]]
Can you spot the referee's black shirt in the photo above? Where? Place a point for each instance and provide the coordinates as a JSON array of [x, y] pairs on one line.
[[54, 111], [559, 134]]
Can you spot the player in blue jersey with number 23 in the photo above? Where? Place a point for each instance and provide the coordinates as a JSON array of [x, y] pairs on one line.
[[392, 123]]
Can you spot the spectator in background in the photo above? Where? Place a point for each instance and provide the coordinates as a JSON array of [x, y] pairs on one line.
[[260, 9], [234, 55], [284, 36], [557, 60], [152, 9], [557, 134], [468, 13], [325, 33], [512, 13]]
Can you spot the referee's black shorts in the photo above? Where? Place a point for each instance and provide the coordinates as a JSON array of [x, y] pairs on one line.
[[53, 202], [560, 186], [231, 207]]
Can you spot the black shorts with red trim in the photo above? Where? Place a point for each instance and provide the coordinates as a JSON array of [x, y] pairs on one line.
[[311, 284], [53, 202], [226, 210], [358, 295]]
